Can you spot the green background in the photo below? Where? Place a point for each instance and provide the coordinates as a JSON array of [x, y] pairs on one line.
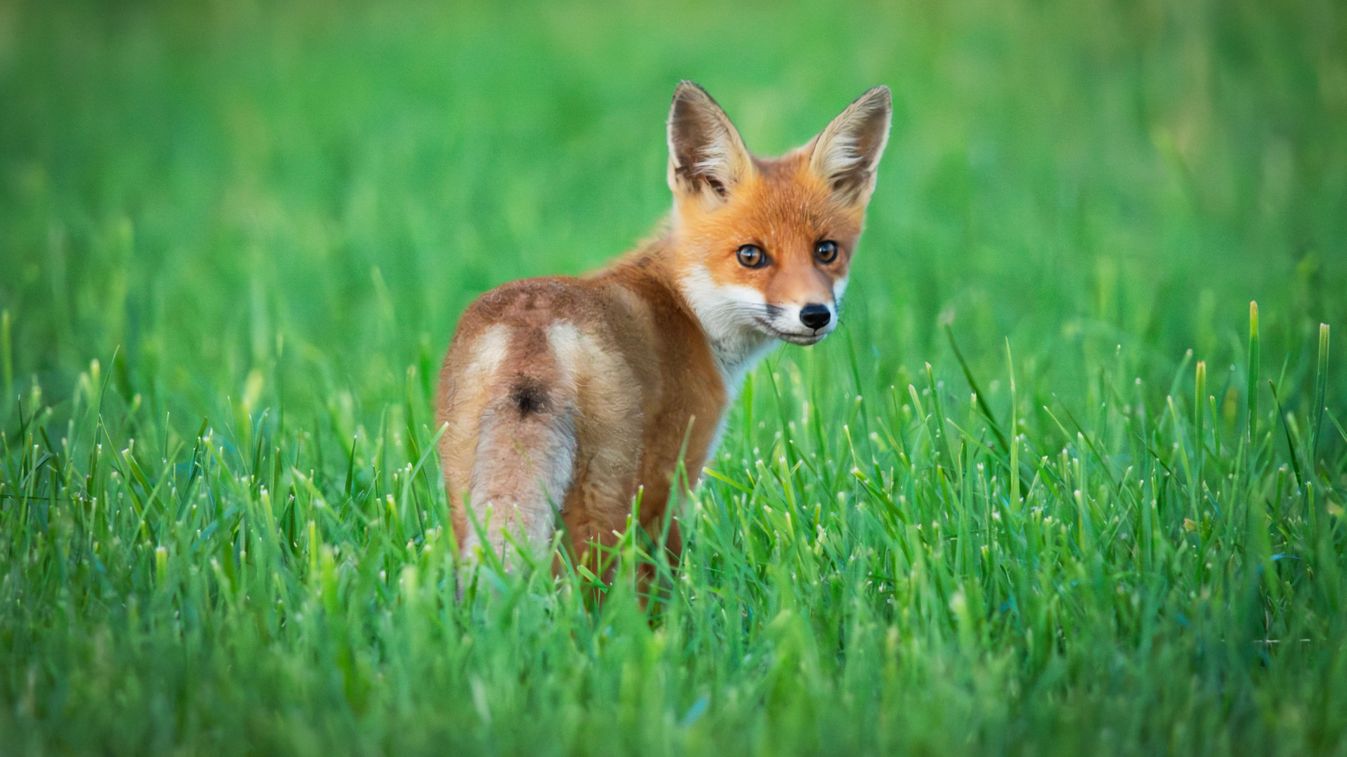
[[234, 239]]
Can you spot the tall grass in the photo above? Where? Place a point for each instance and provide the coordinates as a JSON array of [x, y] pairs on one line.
[[1045, 491]]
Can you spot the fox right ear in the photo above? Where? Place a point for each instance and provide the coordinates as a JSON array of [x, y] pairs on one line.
[[848, 150], [706, 154]]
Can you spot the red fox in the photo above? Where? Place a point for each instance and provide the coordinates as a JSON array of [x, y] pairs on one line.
[[562, 397]]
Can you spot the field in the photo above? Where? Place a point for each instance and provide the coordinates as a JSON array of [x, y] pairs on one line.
[[1053, 487]]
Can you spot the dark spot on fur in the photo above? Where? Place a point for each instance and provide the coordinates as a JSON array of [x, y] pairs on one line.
[[529, 396]]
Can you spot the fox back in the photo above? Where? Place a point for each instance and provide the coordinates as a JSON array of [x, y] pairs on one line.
[[562, 397]]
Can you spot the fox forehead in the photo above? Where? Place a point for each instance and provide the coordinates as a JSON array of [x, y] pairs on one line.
[[783, 207]]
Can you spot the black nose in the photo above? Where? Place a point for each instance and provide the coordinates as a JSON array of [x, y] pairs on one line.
[[815, 316]]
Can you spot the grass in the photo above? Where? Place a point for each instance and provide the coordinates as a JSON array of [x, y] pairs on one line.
[[1049, 489]]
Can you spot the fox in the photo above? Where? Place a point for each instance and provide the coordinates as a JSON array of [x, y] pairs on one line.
[[563, 401]]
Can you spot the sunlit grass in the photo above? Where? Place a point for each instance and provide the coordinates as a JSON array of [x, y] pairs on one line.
[[1055, 486]]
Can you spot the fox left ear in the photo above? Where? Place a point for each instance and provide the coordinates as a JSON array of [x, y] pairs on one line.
[[848, 150]]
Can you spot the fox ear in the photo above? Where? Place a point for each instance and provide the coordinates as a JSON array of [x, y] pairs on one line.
[[848, 150], [706, 154]]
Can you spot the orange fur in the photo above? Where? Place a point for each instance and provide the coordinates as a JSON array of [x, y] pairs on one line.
[[564, 396]]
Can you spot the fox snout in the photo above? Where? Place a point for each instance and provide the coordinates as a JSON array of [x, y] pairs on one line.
[[816, 316], [801, 324], [804, 300]]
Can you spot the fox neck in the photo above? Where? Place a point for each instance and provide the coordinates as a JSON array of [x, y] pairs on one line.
[[733, 348], [736, 346]]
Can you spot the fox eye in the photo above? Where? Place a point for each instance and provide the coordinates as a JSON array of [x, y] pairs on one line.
[[825, 251], [751, 256]]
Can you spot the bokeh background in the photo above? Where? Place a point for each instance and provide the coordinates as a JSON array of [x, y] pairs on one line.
[[186, 185], [235, 237]]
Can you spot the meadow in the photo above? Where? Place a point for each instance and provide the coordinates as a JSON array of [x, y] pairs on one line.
[[1055, 486]]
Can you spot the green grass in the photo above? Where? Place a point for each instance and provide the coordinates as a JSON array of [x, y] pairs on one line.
[[234, 239]]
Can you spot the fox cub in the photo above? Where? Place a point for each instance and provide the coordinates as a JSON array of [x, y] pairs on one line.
[[562, 397]]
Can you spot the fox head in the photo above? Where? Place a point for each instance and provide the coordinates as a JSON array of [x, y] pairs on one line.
[[763, 246]]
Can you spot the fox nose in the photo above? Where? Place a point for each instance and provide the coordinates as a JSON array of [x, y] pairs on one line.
[[815, 316]]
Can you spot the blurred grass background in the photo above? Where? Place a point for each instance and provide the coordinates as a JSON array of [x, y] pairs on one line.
[[1091, 173], [264, 219]]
